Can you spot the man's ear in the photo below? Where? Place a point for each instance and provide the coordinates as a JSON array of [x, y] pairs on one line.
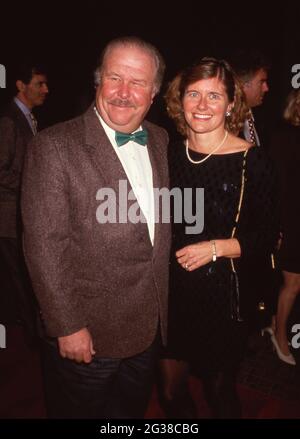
[[154, 93], [20, 85], [247, 84]]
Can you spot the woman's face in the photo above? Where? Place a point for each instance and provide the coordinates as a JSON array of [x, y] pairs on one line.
[[205, 103]]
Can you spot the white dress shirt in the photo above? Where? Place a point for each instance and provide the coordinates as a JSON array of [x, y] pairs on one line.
[[137, 166]]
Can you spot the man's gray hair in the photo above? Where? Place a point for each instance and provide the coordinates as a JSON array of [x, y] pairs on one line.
[[133, 42]]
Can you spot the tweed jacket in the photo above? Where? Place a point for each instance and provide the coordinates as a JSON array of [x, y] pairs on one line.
[[15, 133], [106, 277]]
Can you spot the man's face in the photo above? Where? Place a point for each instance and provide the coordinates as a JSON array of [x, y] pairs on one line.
[[127, 88], [34, 93], [256, 88]]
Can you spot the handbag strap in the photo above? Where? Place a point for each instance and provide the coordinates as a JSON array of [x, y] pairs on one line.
[[236, 313], [240, 202]]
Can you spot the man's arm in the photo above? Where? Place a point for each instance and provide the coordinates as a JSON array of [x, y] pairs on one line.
[[9, 178], [46, 217]]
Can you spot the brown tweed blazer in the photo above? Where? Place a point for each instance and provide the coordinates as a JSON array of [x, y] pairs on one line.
[[106, 277], [15, 133]]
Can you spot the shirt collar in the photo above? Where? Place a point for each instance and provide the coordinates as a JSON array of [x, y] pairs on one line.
[[110, 132], [25, 110]]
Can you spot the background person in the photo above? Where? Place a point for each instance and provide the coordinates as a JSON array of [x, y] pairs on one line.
[[17, 127], [251, 68], [286, 155]]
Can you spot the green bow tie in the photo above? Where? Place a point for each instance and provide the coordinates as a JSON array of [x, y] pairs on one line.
[[138, 137]]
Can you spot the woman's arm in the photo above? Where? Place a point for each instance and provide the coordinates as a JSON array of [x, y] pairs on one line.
[[194, 256]]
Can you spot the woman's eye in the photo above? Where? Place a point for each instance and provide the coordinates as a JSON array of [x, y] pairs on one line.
[[192, 94]]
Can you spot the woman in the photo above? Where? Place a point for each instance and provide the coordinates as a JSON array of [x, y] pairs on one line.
[[207, 318], [285, 150]]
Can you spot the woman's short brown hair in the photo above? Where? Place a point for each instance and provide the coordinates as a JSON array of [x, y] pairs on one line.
[[205, 69]]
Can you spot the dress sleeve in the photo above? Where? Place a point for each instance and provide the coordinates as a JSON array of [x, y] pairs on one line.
[[258, 226]]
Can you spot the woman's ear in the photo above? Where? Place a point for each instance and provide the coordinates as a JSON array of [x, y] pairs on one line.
[[230, 107]]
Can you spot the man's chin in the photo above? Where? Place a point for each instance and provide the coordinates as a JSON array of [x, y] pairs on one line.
[[40, 102], [121, 121]]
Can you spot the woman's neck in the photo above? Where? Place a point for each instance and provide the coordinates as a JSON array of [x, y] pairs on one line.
[[206, 142]]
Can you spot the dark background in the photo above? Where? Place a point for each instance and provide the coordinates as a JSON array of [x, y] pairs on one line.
[[68, 38]]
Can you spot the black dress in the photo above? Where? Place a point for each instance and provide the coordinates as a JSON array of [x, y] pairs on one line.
[[285, 150], [201, 329]]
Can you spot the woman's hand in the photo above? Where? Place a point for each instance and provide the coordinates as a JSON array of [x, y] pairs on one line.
[[194, 256]]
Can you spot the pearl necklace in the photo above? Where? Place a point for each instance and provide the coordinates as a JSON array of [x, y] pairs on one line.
[[207, 157]]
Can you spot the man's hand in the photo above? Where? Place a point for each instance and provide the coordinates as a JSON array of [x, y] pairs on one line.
[[77, 346]]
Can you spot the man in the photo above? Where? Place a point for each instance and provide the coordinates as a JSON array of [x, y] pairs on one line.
[[102, 284], [17, 127], [252, 68]]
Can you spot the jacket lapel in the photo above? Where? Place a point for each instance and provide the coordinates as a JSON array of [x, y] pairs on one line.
[[156, 160], [106, 160], [22, 121]]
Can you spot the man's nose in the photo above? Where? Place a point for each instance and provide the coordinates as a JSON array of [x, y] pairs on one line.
[[45, 88], [124, 90], [265, 87]]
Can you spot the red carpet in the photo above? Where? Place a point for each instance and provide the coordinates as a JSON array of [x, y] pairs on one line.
[[255, 404], [20, 379], [21, 394]]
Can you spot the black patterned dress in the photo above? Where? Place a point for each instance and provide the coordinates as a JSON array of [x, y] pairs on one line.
[[201, 329]]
